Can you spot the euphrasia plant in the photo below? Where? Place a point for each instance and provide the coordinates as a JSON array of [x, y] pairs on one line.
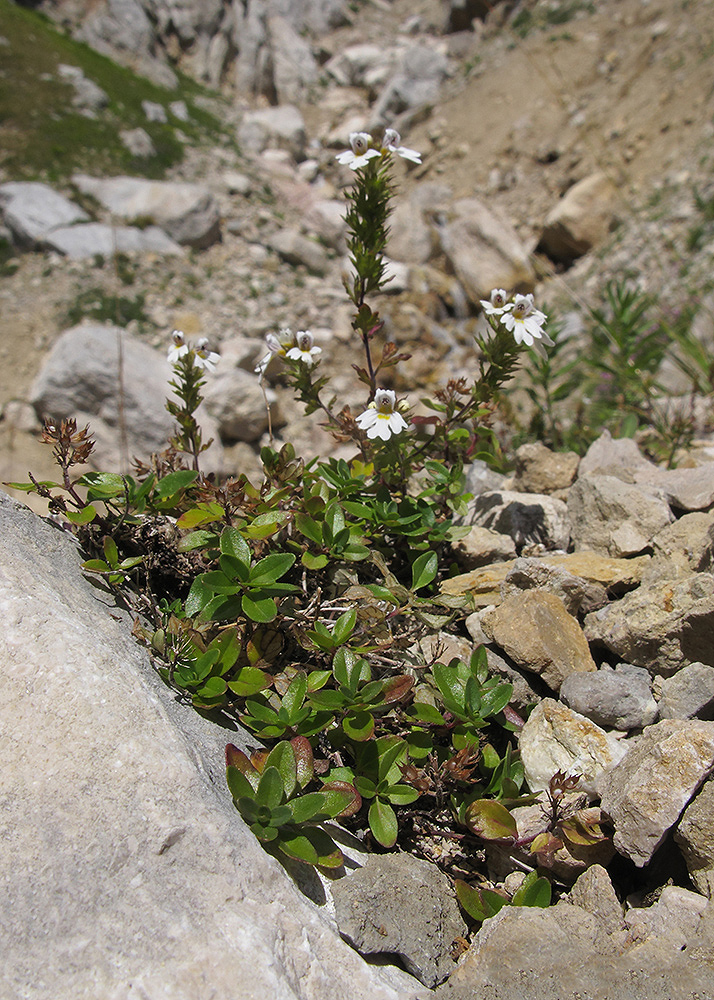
[[301, 605]]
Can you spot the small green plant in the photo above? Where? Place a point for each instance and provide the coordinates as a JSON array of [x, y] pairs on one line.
[[299, 606], [96, 303]]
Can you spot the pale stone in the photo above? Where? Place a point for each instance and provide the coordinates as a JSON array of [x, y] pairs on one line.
[[529, 518], [540, 470], [484, 250], [32, 210], [647, 791], [127, 871], [555, 738], [580, 220], [695, 836], [614, 517]]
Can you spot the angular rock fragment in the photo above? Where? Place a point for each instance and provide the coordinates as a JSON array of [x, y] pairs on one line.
[[660, 626], [537, 633], [614, 518], [647, 791], [557, 739], [401, 905], [619, 699]]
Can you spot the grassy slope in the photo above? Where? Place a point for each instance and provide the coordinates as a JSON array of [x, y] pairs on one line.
[[42, 137]]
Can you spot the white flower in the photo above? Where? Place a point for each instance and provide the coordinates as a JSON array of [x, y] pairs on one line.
[[278, 344], [497, 304], [304, 349], [381, 418], [178, 348], [524, 321], [361, 152], [203, 357], [392, 140]]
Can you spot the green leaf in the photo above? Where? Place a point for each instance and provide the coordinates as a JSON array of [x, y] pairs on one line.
[[260, 610], [383, 823], [490, 820], [424, 569], [344, 626], [341, 798], [248, 681], [102, 485], [172, 484], [400, 794], [111, 553], [534, 890], [270, 791], [203, 514], [96, 566], [198, 597], [238, 783], [309, 528], [199, 539], [84, 516], [359, 726], [233, 544], [322, 850], [314, 562], [295, 695], [270, 569], [480, 904], [214, 687], [282, 757], [309, 807]]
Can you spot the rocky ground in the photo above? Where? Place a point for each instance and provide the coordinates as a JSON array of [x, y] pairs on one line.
[[592, 579]]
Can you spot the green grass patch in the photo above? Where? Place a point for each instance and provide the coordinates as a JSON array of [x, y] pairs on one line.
[[95, 303], [42, 137]]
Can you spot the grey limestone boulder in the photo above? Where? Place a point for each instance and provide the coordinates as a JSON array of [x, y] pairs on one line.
[[662, 626], [695, 836], [102, 375], [619, 699], [399, 904], [555, 738], [126, 870], [688, 694], [281, 127], [91, 238], [188, 213], [537, 633], [529, 518], [484, 250], [32, 210]]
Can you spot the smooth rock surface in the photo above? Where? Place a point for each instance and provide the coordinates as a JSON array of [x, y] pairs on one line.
[[188, 213], [32, 210], [688, 694], [127, 872], [619, 699]]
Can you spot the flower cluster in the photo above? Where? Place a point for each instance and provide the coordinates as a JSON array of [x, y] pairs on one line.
[[203, 357], [520, 317], [363, 149]]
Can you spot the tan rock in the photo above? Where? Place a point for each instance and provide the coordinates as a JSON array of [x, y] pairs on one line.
[[537, 633]]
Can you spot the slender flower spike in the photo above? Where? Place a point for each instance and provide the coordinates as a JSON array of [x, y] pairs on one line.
[[278, 344], [361, 152], [392, 140], [304, 349], [203, 357], [178, 348], [381, 419], [524, 321], [497, 304]]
